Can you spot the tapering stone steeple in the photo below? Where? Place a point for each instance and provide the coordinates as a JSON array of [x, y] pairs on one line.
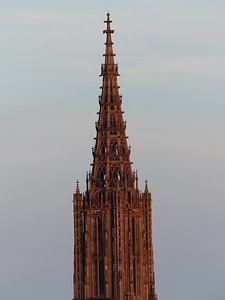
[[113, 253], [111, 165]]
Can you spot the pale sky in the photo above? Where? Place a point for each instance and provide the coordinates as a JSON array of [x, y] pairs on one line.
[[171, 57]]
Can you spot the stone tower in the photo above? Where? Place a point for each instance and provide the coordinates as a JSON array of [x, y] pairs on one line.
[[113, 252]]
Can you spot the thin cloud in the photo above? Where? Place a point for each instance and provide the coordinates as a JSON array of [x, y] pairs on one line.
[[29, 17], [177, 65]]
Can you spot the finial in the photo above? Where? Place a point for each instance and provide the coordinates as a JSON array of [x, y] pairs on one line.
[[108, 17], [77, 188], [146, 186]]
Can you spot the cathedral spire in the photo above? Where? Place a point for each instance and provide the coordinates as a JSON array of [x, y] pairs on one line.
[[111, 146], [113, 252]]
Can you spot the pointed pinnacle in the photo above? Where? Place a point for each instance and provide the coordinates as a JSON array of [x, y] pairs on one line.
[[77, 188], [109, 56], [146, 186]]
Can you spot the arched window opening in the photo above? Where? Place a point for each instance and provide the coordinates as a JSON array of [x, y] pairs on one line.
[[114, 149], [129, 197], [113, 124], [102, 177], [103, 149]]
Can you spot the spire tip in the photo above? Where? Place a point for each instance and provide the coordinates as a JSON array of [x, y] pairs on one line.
[[77, 187], [146, 185]]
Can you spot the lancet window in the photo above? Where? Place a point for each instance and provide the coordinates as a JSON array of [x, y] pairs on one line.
[[101, 176], [115, 176], [102, 150], [112, 124], [114, 149]]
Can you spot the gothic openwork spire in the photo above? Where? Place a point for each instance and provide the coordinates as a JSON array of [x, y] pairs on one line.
[[113, 252], [111, 162]]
